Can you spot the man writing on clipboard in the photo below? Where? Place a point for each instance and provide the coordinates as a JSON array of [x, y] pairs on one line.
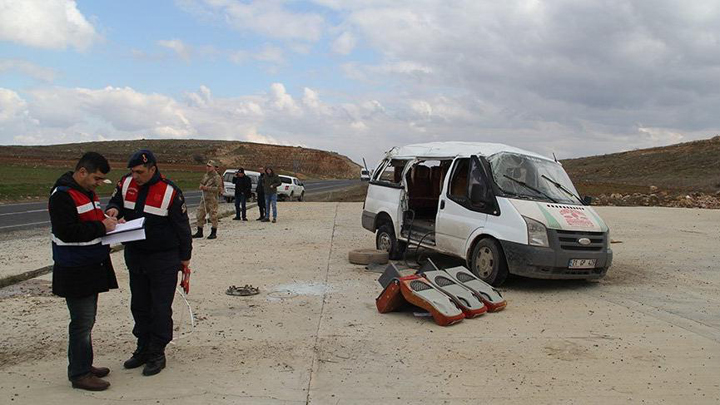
[[154, 262]]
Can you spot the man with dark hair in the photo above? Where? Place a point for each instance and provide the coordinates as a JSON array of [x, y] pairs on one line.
[[271, 183], [154, 262], [243, 191], [82, 266]]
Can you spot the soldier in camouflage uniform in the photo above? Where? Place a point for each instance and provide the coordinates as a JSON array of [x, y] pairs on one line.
[[211, 186]]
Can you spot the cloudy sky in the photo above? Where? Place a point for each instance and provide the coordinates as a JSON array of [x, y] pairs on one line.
[[572, 77]]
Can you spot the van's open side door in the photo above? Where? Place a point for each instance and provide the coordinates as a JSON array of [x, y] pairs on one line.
[[457, 216]]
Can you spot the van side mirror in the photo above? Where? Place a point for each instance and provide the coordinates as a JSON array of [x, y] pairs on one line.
[[587, 200], [477, 195]]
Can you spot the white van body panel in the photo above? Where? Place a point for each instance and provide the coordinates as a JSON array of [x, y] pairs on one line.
[[385, 199], [508, 226]]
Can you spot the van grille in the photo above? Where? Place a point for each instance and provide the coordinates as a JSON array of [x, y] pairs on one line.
[[569, 240]]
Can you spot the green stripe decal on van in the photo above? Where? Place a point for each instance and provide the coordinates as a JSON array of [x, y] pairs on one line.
[[600, 222], [552, 223]]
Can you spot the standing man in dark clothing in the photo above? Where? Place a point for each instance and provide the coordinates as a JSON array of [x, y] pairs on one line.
[[82, 266], [271, 183], [260, 193], [243, 191], [153, 263]]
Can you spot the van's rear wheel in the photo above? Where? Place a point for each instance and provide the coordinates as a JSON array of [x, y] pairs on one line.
[[386, 241], [488, 262]]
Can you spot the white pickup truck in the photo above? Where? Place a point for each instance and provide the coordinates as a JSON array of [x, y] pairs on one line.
[[291, 188]]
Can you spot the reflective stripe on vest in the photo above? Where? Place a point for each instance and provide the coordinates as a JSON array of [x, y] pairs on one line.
[[59, 242], [87, 211], [158, 199], [129, 204]]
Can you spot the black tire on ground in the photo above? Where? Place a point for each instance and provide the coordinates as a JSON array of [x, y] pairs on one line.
[[385, 240], [292, 195], [229, 199], [367, 256], [488, 262], [302, 196]]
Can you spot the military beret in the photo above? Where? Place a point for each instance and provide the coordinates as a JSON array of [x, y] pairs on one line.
[[141, 157]]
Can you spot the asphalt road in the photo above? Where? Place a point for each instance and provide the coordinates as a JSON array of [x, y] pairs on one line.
[[35, 214]]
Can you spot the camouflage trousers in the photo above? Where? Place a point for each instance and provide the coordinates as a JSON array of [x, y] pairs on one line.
[[209, 206]]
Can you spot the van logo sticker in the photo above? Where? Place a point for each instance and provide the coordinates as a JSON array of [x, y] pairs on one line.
[[576, 218]]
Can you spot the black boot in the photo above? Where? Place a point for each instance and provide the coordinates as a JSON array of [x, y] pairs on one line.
[[199, 233], [138, 358], [213, 233], [155, 363]]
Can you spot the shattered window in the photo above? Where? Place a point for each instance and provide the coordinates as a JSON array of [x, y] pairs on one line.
[[392, 172]]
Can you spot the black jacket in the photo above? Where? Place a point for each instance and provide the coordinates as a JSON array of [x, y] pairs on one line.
[[78, 271], [171, 233], [260, 189], [243, 185]]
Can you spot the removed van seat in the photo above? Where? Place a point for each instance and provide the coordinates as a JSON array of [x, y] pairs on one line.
[[390, 299], [466, 299], [487, 293], [418, 291]]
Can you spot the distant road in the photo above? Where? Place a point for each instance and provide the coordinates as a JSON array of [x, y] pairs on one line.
[[35, 214]]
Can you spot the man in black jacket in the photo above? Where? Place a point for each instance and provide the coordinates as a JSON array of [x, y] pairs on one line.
[[260, 193], [243, 191], [82, 266], [154, 262]]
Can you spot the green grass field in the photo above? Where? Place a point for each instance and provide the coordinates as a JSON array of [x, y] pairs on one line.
[[22, 182]]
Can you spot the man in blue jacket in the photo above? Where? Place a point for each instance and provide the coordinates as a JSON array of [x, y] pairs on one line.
[[82, 266]]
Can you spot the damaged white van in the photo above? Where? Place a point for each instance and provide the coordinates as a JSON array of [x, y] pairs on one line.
[[504, 210]]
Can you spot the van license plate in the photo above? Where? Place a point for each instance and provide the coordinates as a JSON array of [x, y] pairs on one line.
[[582, 263]]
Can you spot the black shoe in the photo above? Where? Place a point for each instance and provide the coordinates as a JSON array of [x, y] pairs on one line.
[[199, 233], [137, 360], [274, 220], [238, 218], [260, 219], [154, 365], [244, 219], [213, 233], [264, 220]]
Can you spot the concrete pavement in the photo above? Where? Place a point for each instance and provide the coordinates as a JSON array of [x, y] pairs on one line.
[[648, 332]]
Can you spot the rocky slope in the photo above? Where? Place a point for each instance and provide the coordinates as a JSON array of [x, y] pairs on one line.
[[189, 154]]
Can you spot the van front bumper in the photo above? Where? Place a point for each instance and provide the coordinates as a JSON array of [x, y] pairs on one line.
[[552, 263]]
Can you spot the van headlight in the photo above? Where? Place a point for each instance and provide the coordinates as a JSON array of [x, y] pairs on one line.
[[537, 233]]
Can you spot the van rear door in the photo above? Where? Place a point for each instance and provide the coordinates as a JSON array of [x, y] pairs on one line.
[[458, 215]]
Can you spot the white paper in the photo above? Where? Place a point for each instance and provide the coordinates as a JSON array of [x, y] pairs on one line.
[[126, 232], [128, 226], [127, 236]]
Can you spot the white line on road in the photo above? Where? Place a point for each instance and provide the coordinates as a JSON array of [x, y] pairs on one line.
[[23, 212], [31, 223]]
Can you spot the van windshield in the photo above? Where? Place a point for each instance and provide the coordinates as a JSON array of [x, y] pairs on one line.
[[511, 170]]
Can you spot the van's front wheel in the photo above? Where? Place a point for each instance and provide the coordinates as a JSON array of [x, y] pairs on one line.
[[386, 241], [488, 262]]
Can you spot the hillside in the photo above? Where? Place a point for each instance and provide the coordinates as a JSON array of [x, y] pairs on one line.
[[674, 173], [192, 154]]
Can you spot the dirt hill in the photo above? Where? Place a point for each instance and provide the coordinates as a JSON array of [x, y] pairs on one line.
[[674, 175], [190, 154]]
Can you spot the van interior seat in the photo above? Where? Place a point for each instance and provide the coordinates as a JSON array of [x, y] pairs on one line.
[[421, 191]]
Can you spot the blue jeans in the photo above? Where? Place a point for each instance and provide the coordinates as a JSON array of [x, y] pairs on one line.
[[240, 200], [270, 199], [82, 318]]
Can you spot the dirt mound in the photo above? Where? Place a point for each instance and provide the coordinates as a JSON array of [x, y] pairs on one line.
[[661, 199], [305, 162]]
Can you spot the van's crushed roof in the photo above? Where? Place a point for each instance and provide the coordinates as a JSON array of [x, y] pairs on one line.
[[452, 149]]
